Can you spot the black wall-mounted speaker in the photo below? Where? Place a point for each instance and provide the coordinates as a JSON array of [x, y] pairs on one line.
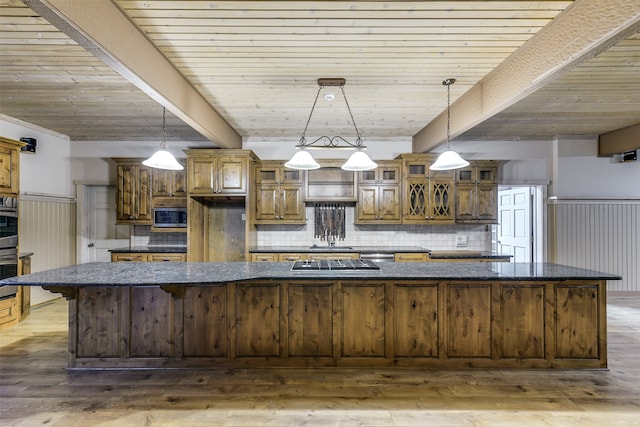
[[31, 145], [630, 156]]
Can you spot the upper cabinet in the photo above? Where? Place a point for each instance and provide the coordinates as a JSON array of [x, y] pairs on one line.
[[477, 193], [169, 188], [330, 183], [133, 192], [428, 196], [279, 194], [9, 166], [218, 172], [379, 194]]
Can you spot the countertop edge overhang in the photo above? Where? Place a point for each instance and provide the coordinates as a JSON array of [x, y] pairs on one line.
[[203, 274]]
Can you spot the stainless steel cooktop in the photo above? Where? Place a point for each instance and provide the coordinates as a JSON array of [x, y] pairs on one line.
[[334, 265]]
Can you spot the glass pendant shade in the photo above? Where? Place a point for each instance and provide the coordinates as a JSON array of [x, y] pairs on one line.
[[302, 160], [162, 159], [448, 160], [359, 161]]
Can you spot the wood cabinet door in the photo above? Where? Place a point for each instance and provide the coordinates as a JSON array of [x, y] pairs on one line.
[[161, 183], [466, 202], [264, 257], [167, 183], [410, 257], [126, 189], [389, 203], [291, 203], [128, 257], [416, 198], [167, 257], [143, 196], [267, 196], [9, 175], [441, 201], [487, 202], [201, 175], [367, 203], [232, 175]]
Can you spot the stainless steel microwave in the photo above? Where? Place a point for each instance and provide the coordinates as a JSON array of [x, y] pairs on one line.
[[170, 217]]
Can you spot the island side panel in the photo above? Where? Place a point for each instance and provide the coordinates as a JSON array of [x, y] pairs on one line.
[[577, 321], [406, 323]]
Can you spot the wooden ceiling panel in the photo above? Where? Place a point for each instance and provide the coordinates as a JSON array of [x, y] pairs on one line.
[[256, 63]]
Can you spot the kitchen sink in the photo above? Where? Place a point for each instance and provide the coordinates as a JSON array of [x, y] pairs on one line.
[[331, 248], [334, 265]]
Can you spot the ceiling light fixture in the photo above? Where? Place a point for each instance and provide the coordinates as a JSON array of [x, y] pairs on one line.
[[449, 159], [162, 159], [302, 159]]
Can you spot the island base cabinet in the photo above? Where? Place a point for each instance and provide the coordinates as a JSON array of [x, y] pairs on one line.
[[416, 320], [205, 306], [310, 320], [355, 323], [522, 321]]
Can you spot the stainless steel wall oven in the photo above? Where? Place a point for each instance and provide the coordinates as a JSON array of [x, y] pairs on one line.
[[8, 243]]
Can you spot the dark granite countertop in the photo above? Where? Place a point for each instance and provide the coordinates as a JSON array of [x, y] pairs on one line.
[[462, 254], [151, 249], [23, 255], [177, 273]]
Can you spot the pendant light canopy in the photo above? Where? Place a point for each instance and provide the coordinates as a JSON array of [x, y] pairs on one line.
[[303, 160], [449, 159], [162, 159]]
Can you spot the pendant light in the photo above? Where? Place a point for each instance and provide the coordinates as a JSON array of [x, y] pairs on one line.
[[162, 159], [449, 159], [303, 160]]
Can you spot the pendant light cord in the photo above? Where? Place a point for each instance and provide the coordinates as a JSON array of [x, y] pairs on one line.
[[448, 83], [164, 130], [302, 138]]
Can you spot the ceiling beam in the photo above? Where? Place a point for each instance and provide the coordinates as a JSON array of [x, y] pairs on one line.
[[104, 30], [619, 141], [579, 33]]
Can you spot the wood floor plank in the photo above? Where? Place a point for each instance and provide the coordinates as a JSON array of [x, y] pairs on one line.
[[37, 389]]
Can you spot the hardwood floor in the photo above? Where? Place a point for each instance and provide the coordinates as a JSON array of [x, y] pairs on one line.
[[36, 389]]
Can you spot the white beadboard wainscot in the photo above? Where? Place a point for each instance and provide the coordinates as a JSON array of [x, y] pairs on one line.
[[48, 229], [601, 235]]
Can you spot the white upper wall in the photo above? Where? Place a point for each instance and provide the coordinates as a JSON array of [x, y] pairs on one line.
[[48, 170], [91, 160], [582, 174], [58, 163]]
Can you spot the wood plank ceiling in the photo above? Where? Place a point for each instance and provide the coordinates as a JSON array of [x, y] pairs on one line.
[[256, 63]]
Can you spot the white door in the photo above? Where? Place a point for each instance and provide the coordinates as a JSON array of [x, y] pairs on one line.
[[515, 226], [99, 232]]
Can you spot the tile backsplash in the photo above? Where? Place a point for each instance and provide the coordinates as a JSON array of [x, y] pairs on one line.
[[142, 236], [438, 237]]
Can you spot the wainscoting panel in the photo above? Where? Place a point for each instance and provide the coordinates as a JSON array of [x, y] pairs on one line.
[[601, 235], [48, 229]]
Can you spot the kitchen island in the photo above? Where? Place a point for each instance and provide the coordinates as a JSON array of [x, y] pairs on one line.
[[432, 315]]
